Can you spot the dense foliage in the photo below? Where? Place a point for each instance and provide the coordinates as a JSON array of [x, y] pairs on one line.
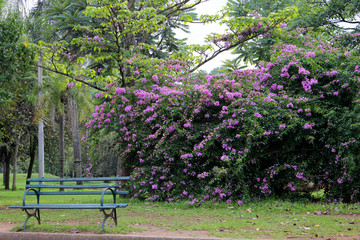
[[289, 125]]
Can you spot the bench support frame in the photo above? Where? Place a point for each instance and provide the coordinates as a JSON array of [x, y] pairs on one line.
[[112, 215], [35, 214]]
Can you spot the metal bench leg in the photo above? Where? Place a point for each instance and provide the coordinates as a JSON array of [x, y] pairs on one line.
[[35, 214], [112, 215]]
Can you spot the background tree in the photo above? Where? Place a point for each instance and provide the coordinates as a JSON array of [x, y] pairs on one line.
[[326, 18], [15, 88]]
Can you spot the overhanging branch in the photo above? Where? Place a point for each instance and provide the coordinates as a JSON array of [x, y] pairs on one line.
[[74, 78]]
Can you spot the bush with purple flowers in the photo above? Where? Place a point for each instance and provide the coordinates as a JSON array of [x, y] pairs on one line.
[[276, 130]]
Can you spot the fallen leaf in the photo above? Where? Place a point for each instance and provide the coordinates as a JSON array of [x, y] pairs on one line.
[[307, 228], [74, 230], [352, 222], [249, 209], [317, 225]]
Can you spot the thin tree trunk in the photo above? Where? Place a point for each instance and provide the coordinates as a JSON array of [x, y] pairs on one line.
[[61, 148], [32, 154], [15, 156], [7, 170], [4, 167], [76, 142], [41, 124]]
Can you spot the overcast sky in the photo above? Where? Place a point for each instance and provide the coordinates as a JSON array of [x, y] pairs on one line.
[[198, 32]]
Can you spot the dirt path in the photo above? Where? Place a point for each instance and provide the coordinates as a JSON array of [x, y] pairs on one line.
[[6, 226], [149, 230], [154, 231]]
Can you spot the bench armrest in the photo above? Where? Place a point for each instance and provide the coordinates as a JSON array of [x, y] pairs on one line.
[[36, 192], [103, 193]]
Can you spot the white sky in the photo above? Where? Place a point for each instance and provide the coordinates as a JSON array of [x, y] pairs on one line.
[[198, 31]]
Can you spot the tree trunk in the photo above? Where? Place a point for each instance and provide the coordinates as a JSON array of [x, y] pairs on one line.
[[32, 154], [15, 156], [3, 171], [76, 142], [41, 124], [61, 148], [7, 170], [6, 159]]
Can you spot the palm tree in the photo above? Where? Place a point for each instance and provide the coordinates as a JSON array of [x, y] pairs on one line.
[[61, 15]]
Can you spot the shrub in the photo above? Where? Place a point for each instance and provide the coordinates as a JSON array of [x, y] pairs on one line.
[[291, 124]]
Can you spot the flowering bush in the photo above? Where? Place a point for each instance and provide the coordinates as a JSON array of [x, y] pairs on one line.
[[288, 125]]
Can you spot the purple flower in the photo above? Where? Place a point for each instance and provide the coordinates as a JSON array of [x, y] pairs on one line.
[[307, 126], [127, 108], [154, 186], [187, 125], [240, 202], [155, 77], [303, 71], [257, 115], [310, 54], [282, 126], [185, 193], [120, 90]]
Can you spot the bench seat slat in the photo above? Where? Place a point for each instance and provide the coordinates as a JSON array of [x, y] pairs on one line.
[[79, 193], [70, 206], [77, 179], [70, 186]]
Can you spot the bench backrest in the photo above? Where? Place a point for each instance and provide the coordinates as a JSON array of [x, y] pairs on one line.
[[70, 183]]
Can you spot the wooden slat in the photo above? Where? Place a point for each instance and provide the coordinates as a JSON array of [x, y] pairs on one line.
[[70, 206], [79, 193], [70, 186], [77, 179]]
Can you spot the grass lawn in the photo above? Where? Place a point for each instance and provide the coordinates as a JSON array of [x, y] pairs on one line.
[[261, 219]]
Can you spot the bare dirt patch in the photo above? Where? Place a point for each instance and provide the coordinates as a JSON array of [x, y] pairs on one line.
[[156, 231], [6, 226]]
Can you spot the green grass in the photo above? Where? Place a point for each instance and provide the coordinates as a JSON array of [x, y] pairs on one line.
[[261, 219]]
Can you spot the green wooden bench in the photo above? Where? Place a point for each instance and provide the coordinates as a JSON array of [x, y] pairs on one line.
[[46, 186]]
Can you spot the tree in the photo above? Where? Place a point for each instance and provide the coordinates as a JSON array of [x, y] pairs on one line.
[[16, 58], [61, 17], [326, 18]]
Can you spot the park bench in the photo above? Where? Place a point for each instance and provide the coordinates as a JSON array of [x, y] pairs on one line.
[[46, 186]]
